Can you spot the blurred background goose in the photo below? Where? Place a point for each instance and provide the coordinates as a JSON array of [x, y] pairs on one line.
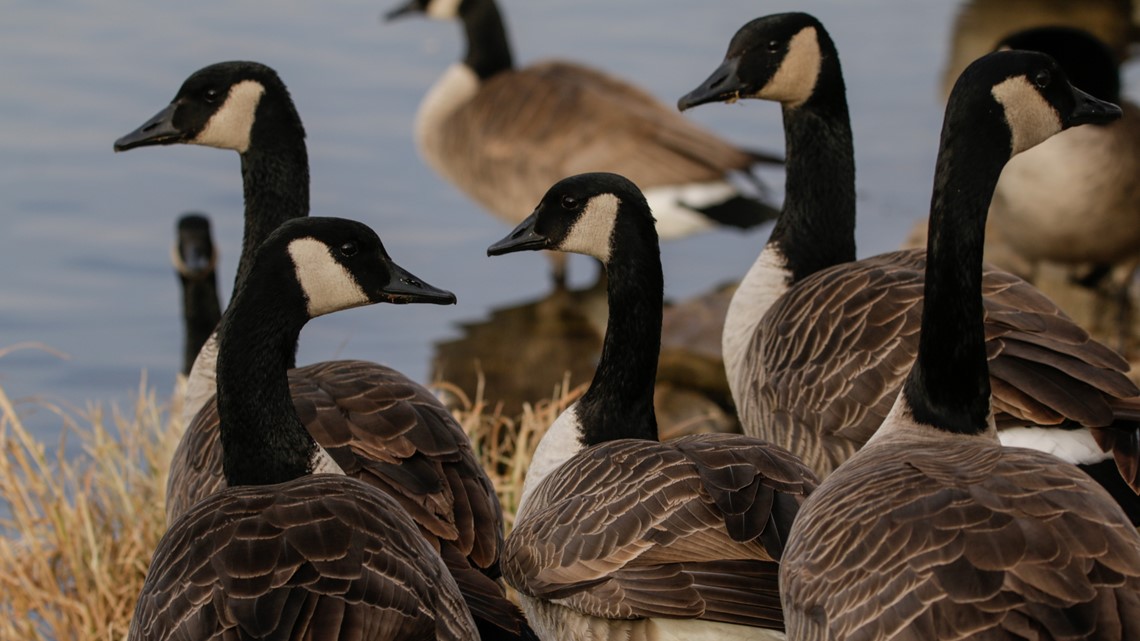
[[934, 530], [816, 343], [195, 261], [619, 536], [379, 425], [503, 134], [293, 548], [1073, 198]]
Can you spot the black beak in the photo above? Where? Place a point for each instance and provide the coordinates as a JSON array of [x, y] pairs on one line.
[[406, 288], [1092, 111], [523, 238], [723, 85], [159, 130], [407, 8]]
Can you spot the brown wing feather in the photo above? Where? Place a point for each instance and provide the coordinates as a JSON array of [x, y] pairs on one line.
[[691, 528], [322, 557], [966, 542], [534, 126], [836, 348], [393, 434]]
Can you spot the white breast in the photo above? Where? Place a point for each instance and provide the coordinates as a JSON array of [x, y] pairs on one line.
[[454, 89]]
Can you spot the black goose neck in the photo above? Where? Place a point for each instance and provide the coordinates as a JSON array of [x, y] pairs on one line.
[[949, 385], [619, 402], [488, 51], [202, 311], [816, 229], [263, 440]]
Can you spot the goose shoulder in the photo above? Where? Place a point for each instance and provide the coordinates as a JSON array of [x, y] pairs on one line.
[[380, 427], [849, 334], [692, 528], [1031, 546], [330, 551]]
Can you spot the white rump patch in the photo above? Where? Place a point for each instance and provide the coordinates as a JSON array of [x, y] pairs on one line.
[[443, 9], [1031, 119], [593, 232], [1072, 446], [674, 207], [230, 126], [794, 82], [328, 286], [563, 439]]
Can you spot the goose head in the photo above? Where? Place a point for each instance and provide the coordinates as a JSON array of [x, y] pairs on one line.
[[778, 57], [194, 255], [1033, 94], [583, 214], [1088, 62], [439, 9], [339, 264], [225, 105]]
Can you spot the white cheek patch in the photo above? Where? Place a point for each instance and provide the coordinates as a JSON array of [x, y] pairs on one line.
[[794, 82], [443, 9], [230, 126], [592, 233], [328, 286], [1030, 117]]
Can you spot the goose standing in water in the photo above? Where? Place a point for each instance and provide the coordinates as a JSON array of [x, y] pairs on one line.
[[503, 134], [293, 548], [379, 425], [618, 535], [816, 343], [933, 530], [195, 260]]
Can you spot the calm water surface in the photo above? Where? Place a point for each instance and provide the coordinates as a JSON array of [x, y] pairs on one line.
[[85, 234]]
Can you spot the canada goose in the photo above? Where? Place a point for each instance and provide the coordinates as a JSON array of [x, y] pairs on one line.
[[816, 343], [503, 134], [293, 548], [381, 426], [1072, 199], [618, 535], [195, 260], [934, 530]]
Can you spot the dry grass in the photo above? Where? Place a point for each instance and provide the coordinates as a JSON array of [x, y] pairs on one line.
[[76, 535], [505, 444]]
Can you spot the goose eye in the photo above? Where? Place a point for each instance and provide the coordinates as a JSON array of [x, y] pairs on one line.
[[773, 46], [569, 202], [211, 95], [1043, 78], [348, 249]]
